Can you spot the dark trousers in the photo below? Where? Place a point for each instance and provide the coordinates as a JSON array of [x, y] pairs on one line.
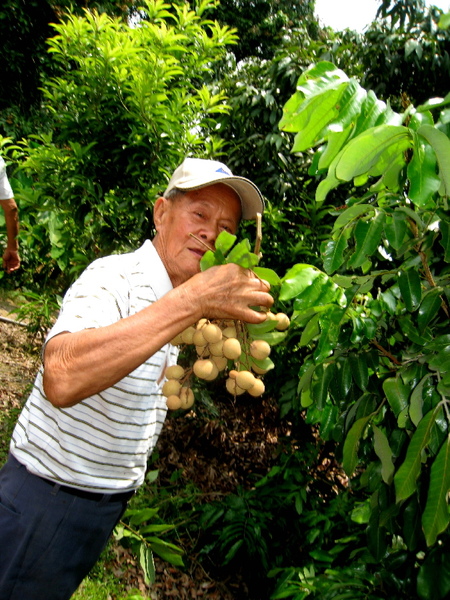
[[49, 538]]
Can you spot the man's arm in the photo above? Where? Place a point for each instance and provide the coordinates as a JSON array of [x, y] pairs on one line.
[[78, 365], [11, 260]]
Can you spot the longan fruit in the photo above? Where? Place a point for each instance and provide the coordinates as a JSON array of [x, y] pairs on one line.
[[233, 388], [188, 334], [258, 370], [174, 372], [283, 321], [233, 373], [171, 387], [216, 349], [232, 348], [201, 323], [204, 368], [245, 380], [186, 398], [177, 340], [257, 389], [199, 339], [173, 402], [229, 332], [212, 333], [259, 349], [220, 362]]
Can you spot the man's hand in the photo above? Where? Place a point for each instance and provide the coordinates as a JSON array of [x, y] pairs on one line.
[[11, 260], [229, 292]]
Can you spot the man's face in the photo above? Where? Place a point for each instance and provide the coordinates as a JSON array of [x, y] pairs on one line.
[[205, 213]]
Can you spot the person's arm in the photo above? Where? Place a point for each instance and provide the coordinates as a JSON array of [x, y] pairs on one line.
[[78, 365], [11, 259]]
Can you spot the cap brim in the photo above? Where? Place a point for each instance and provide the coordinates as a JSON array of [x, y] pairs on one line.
[[251, 200]]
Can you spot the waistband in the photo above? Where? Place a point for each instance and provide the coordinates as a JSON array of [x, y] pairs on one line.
[[94, 496]]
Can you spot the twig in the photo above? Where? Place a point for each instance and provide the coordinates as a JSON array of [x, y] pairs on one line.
[[258, 235], [386, 352], [201, 242], [12, 321]]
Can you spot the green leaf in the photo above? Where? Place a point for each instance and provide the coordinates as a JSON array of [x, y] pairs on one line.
[[384, 453], [242, 255], [309, 286], [147, 564], [319, 389], [410, 289], [351, 445], [424, 181], [351, 213], [395, 230], [397, 394], [444, 228], [405, 479], [225, 241], [429, 308], [435, 518], [268, 275], [372, 151], [433, 579], [311, 331], [367, 237], [441, 145], [360, 370], [416, 401], [333, 251]]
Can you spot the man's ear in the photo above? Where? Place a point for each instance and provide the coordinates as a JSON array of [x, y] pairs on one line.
[[159, 209]]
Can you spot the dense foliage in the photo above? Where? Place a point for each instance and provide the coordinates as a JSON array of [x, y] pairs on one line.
[[357, 233]]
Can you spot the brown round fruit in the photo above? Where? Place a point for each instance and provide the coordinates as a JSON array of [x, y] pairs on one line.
[[283, 321], [212, 333], [174, 372], [259, 349], [232, 348], [220, 362], [257, 389], [233, 388], [186, 397], [229, 332], [188, 334], [245, 380], [173, 402], [204, 368], [198, 338], [171, 388]]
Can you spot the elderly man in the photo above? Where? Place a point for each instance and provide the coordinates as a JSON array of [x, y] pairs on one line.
[[11, 260], [81, 444]]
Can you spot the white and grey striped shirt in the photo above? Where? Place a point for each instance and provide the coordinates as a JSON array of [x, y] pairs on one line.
[[102, 443]]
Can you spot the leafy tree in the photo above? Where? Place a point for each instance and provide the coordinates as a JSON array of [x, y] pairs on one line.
[[25, 26], [125, 108], [374, 320]]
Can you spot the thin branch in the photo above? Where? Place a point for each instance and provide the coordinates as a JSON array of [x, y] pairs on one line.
[[386, 352], [201, 242], [258, 235]]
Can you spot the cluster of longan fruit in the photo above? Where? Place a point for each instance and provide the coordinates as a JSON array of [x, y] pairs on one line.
[[220, 346]]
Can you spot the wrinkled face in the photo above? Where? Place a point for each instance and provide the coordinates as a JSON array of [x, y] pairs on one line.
[[205, 213]]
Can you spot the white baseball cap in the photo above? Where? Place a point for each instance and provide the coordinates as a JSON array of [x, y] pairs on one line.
[[196, 173]]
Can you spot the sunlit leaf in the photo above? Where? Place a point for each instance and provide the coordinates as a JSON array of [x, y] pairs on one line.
[[441, 145]]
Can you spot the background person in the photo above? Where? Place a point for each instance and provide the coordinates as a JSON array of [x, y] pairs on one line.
[[11, 259], [80, 447]]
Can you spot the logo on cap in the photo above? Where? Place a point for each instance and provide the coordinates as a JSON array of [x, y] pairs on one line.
[[220, 170]]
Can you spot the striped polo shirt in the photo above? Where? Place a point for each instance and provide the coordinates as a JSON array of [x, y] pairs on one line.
[[102, 443]]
